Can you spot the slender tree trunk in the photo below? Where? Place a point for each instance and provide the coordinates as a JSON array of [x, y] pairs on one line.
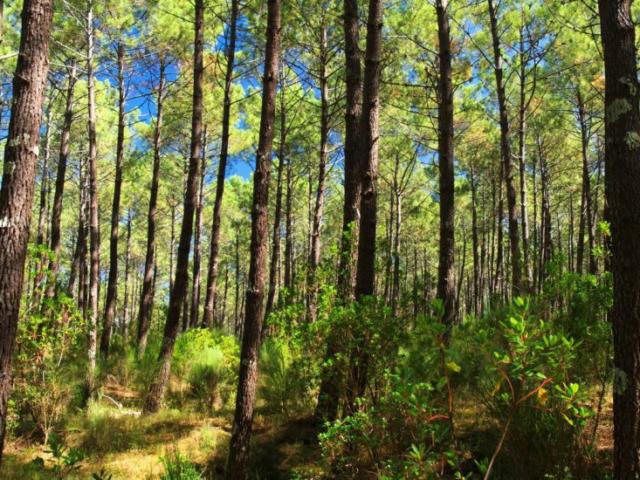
[[112, 285], [622, 163], [56, 210], [78, 268], [368, 154], [288, 241], [178, 295], [172, 245], [395, 290], [197, 260], [586, 216], [146, 298], [505, 153], [212, 274], [446, 269], [314, 263], [44, 181], [352, 173], [522, 160], [16, 195], [331, 383], [275, 242], [236, 309], [238, 462], [94, 219], [126, 318], [477, 267], [547, 242]]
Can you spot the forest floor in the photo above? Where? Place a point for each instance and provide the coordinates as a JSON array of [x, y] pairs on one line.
[[129, 446]]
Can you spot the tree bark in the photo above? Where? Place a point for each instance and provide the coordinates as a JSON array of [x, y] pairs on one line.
[[146, 297], [56, 210], [505, 153], [314, 260], [446, 269], [368, 160], [112, 285], [197, 260], [44, 181], [126, 318], [275, 242], [622, 187], [212, 275], [178, 295], [586, 217], [16, 195], [94, 219], [289, 277], [352, 173], [238, 461], [522, 149], [331, 382]]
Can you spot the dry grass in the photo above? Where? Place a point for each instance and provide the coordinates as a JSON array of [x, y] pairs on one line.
[[126, 445]]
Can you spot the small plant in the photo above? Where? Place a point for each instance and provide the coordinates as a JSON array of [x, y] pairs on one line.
[[178, 467], [64, 460]]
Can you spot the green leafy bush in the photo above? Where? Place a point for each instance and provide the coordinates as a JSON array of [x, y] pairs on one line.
[[208, 361], [530, 391], [47, 362]]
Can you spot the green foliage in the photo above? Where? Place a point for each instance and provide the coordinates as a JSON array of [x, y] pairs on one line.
[[64, 461], [284, 386], [530, 390], [405, 435], [178, 467], [208, 361], [49, 342], [402, 428]]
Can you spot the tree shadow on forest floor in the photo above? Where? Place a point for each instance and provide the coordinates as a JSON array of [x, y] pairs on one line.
[[278, 451]]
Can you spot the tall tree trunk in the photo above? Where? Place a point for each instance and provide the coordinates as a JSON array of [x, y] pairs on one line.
[[505, 153], [288, 240], [352, 173], [197, 260], [522, 149], [331, 382], [622, 161], [236, 309], [446, 270], [395, 288], [172, 246], [212, 274], [546, 243], [178, 295], [78, 267], [44, 181], [56, 210], [275, 243], [112, 285], [126, 318], [16, 195], [238, 462], [314, 260], [94, 219], [368, 161], [477, 267], [586, 216], [146, 297]]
